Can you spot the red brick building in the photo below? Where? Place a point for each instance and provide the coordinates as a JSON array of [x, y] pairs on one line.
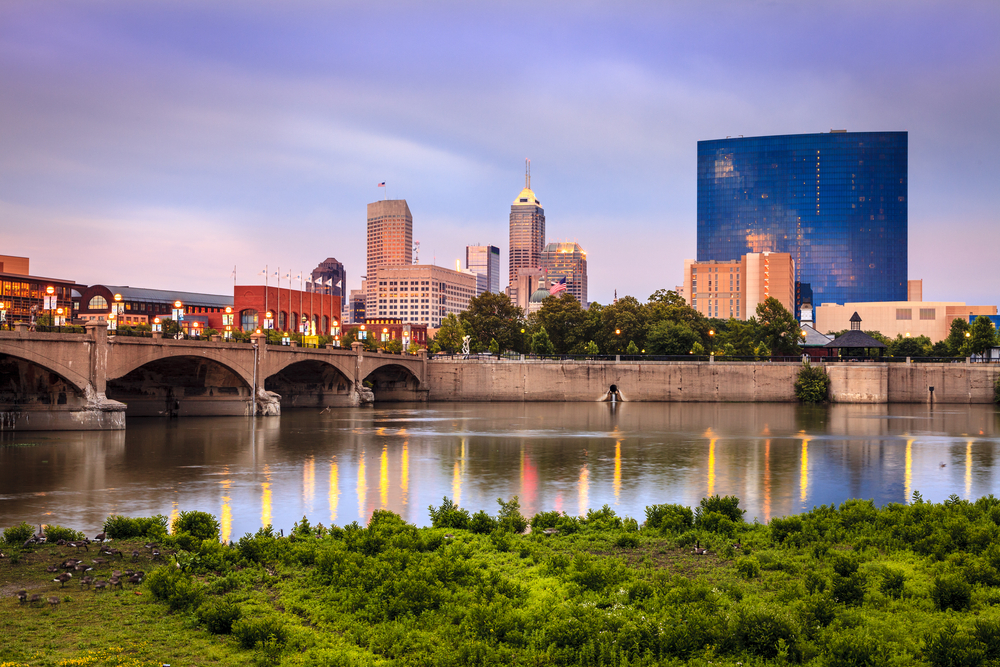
[[292, 310], [385, 329]]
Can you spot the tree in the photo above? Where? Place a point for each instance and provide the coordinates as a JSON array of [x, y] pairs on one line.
[[394, 346], [667, 297], [669, 338], [778, 328], [622, 322], [592, 348], [742, 336], [540, 342], [449, 336], [413, 348], [983, 337], [493, 317], [494, 347], [956, 336], [349, 337], [564, 319], [910, 346], [632, 348]]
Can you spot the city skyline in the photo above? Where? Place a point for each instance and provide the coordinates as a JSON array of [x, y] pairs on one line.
[[158, 145]]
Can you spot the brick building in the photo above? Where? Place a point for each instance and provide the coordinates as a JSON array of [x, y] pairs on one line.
[[251, 303]]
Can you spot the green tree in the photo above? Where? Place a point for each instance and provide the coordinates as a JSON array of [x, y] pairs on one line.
[[666, 337], [622, 322], [540, 342], [592, 348], [494, 347], [564, 319], [493, 317], [778, 328], [350, 336], [910, 346], [956, 336], [632, 348], [743, 336], [983, 337], [394, 346], [449, 336], [667, 297]]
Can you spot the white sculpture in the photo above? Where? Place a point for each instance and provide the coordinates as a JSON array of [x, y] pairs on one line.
[[465, 344]]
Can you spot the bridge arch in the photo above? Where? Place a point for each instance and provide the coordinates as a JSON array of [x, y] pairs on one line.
[[130, 356], [393, 381], [314, 382], [77, 378]]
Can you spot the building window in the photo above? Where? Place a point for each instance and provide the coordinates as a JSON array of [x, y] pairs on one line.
[[98, 303], [904, 313], [928, 313]]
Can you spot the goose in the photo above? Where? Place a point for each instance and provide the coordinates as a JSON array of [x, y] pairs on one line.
[[135, 579], [2, 555], [70, 563], [115, 581], [53, 601], [22, 596], [82, 567], [155, 553], [100, 537], [61, 543], [99, 561], [52, 569], [151, 545], [63, 578], [698, 551], [37, 597], [100, 585], [86, 581], [83, 544], [449, 536], [135, 554], [738, 545], [551, 531], [116, 574]]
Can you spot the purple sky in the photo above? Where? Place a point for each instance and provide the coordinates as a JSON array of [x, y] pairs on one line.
[[157, 144]]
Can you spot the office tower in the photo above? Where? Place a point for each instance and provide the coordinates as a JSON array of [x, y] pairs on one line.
[[485, 260], [333, 276], [837, 203], [421, 293], [527, 231], [567, 260], [734, 288], [356, 305], [390, 240]]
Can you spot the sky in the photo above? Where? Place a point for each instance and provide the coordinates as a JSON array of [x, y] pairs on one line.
[[160, 144]]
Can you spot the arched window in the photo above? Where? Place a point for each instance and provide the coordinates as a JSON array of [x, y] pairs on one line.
[[248, 319], [294, 324], [283, 321], [98, 303], [326, 326]]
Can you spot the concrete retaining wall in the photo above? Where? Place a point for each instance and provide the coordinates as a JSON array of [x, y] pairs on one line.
[[482, 380]]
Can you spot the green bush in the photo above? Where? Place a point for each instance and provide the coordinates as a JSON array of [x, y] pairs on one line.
[[510, 518], [178, 589], [996, 391], [727, 506], [200, 525], [951, 591], [669, 518], [762, 630], [261, 547], [748, 567], [812, 384], [218, 616], [856, 647], [951, 648], [482, 523], [892, 583], [784, 527], [56, 533], [449, 515], [250, 631], [122, 527], [544, 520], [18, 534], [627, 541]]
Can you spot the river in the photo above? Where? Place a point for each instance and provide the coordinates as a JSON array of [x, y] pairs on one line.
[[339, 465]]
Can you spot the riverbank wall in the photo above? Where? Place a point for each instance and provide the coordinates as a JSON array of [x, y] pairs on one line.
[[538, 380]]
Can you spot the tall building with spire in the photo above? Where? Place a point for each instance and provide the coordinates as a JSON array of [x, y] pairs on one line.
[[390, 241], [527, 231]]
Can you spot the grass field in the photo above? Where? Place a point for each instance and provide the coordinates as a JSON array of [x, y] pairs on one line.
[[848, 585]]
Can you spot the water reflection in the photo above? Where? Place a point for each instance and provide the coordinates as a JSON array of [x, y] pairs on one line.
[[778, 458]]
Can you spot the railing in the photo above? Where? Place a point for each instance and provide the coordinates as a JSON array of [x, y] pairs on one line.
[[511, 356]]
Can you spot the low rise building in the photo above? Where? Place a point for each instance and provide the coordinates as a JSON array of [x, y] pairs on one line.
[[733, 289], [420, 293], [386, 329], [23, 297], [894, 318], [139, 305]]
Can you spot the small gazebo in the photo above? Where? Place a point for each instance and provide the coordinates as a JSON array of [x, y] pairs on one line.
[[856, 339]]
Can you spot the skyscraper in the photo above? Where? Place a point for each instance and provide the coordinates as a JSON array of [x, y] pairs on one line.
[[390, 241], [527, 231], [333, 277], [837, 203], [485, 261], [567, 260]]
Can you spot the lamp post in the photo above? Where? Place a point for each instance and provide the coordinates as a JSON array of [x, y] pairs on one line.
[[119, 308], [59, 318], [50, 301], [157, 327], [194, 329], [3, 314], [178, 315], [711, 342], [227, 320], [269, 320]]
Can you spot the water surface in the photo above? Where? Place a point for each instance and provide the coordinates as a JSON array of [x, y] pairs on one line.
[[339, 465]]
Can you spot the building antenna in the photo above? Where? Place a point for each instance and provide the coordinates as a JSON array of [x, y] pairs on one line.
[[416, 252], [527, 173]]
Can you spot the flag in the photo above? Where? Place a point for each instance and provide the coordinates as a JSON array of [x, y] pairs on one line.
[[559, 286], [339, 282], [382, 184]]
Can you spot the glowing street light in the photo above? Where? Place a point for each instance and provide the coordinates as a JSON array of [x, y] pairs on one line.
[[157, 327], [117, 309], [50, 301], [178, 315]]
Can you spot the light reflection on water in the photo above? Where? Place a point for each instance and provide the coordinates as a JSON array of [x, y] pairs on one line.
[[777, 458]]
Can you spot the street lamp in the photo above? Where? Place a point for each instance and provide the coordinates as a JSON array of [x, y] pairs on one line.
[[269, 320], [711, 344], [227, 320], [50, 301], [119, 309], [178, 315], [59, 317], [157, 327], [194, 329], [3, 314]]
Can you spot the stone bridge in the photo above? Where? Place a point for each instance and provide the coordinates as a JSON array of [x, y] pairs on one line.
[[90, 381]]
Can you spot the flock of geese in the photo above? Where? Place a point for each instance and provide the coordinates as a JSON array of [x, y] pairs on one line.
[[70, 566]]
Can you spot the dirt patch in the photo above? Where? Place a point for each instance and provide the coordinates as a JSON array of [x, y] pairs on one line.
[[676, 560]]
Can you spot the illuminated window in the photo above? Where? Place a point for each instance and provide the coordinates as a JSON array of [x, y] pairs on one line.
[[98, 303]]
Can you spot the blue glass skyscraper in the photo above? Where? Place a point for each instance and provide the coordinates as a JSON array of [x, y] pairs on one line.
[[837, 202]]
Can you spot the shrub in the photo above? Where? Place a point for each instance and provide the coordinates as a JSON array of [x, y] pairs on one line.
[[996, 391], [748, 567], [201, 525], [261, 547], [892, 583], [56, 533], [122, 527], [18, 534], [449, 515], [627, 541], [669, 517], [762, 631], [782, 528], [856, 647], [510, 518], [727, 506], [849, 589], [252, 630], [178, 589], [482, 523], [218, 616], [812, 384], [987, 632], [951, 648], [544, 520], [951, 591]]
